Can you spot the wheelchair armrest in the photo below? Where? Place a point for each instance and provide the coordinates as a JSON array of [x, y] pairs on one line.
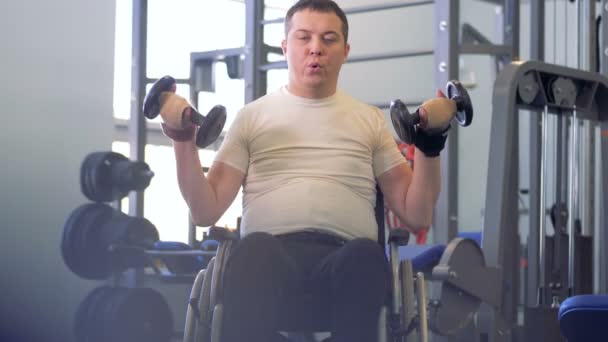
[[222, 234], [399, 236]]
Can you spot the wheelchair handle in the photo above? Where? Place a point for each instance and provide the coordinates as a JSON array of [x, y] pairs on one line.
[[400, 236]]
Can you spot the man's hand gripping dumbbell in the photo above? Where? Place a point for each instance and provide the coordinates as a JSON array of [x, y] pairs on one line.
[[427, 128], [180, 119]]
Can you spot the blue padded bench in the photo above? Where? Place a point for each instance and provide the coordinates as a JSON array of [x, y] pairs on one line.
[[425, 257], [584, 318]]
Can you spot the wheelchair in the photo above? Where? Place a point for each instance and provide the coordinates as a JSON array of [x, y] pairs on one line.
[[455, 274]]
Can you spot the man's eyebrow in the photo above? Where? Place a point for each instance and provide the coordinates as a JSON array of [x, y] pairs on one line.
[[324, 33]]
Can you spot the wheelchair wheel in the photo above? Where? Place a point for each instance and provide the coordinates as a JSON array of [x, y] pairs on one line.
[[192, 312], [220, 265], [216, 325], [203, 331], [408, 308]]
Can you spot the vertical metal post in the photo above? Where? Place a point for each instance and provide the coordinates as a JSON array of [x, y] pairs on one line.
[[572, 199], [255, 79], [137, 124], [603, 227], [587, 60], [601, 238], [446, 60], [537, 52], [541, 233]]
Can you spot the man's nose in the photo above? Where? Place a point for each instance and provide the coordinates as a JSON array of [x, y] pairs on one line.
[[316, 47]]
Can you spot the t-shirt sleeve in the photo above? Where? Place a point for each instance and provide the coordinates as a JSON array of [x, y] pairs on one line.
[[234, 150], [385, 153]]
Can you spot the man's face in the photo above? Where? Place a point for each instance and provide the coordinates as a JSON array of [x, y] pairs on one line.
[[315, 51]]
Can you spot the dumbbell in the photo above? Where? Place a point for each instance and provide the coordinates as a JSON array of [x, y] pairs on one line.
[[93, 234], [406, 125], [120, 314], [109, 176], [210, 126]]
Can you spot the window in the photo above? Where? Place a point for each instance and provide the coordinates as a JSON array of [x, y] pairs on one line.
[[175, 29]]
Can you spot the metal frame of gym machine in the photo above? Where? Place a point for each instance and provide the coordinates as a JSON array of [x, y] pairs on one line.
[[501, 242]]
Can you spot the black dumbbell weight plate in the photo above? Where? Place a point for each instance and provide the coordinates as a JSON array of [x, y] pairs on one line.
[[212, 127], [151, 107], [107, 314], [402, 122], [464, 113], [85, 325], [80, 247], [96, 178], [141, 315], [91, 184]]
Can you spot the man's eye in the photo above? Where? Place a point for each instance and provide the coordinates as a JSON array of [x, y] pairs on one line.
[[330, 39], [302, 37]]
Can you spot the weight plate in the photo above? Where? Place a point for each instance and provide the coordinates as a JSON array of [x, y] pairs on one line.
[[97, 178], [402, 122], [89, 177], [151, 106], [456, 91], [79, 243], [84, 322], [141, 315], [212, 127]]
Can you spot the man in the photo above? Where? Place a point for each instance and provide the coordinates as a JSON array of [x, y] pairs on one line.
[[308, 157]]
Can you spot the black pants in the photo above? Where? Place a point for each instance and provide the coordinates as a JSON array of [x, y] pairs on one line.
[[276, 283]]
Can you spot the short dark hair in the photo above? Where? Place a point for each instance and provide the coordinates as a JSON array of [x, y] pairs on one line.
[[325, 6]]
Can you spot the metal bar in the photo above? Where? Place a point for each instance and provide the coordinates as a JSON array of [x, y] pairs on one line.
[[137, 124], [273, 49], [396, 295], [586, 35], [471, 35], [587, 59], [541, 300], [149, 80], [255, 78], [387, 104], [603, 227], [446, 60], [511, 29], [587, 179], [572, 199], [497, 217], [445, 220], [601, 239], [365, 9], [215, 55], [361, 58], [423, 329], [157, 253], [537, 52], [603, 46], [485, 49]]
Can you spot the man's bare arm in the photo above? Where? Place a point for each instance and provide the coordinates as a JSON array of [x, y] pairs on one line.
[[412, 195], [209, 196]]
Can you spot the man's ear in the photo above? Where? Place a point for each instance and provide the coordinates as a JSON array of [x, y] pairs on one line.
[[284, 47], [346, 51]]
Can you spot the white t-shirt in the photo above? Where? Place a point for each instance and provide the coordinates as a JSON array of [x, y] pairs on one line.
[[310, 164]]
